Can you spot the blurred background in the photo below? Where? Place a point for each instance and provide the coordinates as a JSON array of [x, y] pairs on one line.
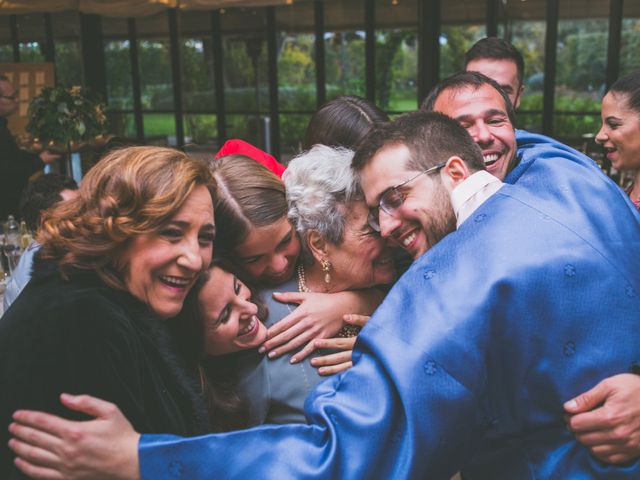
[[202, 71]]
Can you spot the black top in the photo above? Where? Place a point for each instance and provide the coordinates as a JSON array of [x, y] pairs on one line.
[[16, 166], [81, 336]]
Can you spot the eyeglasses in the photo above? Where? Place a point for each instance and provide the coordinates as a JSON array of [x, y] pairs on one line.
[[13, 97], [392, 199]]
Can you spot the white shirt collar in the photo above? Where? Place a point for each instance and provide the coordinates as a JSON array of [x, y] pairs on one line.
[[473, 192]]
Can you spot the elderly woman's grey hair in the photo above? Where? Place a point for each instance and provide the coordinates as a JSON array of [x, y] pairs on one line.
[[319, 185]]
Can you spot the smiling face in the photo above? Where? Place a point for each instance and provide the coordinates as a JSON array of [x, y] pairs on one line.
[[362, 259], [504, 72], [425, 215], [483, 113], [230, 318], [620, 132], [269, 254], [161, 267]]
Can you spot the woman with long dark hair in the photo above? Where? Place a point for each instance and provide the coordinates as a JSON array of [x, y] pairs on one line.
[[620, 131]]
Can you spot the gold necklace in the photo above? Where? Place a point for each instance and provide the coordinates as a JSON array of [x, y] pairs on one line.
[[347, 330], [302, 280]]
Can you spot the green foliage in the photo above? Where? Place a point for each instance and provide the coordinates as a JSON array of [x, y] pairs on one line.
[[295, 64], [31, 52], [529, 38], [197, 76], [457, 40], [118, 70], [240, 68], [292, 129], [201, 128], [388, 47], [344, 63], [580, 74], [565, 125], [68, 63], [66, 115], [575, 126], [6, 53], [629, 59], [582, 55], [403, 95]]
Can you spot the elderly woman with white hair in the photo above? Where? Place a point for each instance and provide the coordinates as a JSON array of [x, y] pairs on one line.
[[340, 251]]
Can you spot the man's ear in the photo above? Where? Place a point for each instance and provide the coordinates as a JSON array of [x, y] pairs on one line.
[[317, 245], [518, 97], [454, 172]]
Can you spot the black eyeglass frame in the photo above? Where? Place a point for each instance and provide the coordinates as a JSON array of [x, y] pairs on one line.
[[374, 212]]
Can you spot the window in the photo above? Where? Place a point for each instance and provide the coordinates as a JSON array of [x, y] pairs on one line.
[[296, 73], [581, 65], [462, 25], [245, 74], [396, 55], [196, 62], [344, 48], [66, 34], [31, 37], [529, 38], [118, 72], [6, 46], [156, 85], [629, 59]]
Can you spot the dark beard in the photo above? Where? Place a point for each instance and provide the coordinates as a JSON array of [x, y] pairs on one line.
[[443, 220]]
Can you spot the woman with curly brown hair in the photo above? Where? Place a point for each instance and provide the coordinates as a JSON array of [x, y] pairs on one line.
[[115, 263]]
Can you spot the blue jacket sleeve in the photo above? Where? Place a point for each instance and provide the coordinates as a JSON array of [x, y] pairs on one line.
[[395, 413]]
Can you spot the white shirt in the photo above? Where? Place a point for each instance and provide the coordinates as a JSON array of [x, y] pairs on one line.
[[473, 192]]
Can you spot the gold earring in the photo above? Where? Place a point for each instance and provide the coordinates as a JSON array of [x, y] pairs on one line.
[[326, 268]]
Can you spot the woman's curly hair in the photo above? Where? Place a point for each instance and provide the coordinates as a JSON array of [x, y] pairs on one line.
[[129, 192]]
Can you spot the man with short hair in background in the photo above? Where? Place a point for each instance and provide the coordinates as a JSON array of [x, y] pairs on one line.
[[500, 61]]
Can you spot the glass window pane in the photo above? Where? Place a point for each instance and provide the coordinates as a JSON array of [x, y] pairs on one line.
[[292, 128], [117, 63], [629, 58], [122, 124], [580, 69], [6, 47], [196, 61], [572, 127], [118, 70], [160, 128], [250, 128], [201, 129], [344, 48], [31, 37], [154, 57], [529, 38], [296, 59], [463, 24], [245, 60], [396, 55], [66, 34]]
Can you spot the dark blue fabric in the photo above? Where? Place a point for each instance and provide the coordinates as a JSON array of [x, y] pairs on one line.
[[469, 359]]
